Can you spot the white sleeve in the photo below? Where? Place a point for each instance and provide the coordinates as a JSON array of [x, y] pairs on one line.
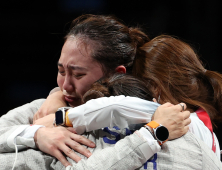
[[127, 154], [111, 111], [23, 137], [14, 123], [29, 132]]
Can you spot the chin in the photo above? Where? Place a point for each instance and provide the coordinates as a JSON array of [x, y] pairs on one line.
[[75, 104]]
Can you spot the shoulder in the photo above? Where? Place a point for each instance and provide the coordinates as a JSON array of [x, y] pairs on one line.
[[27, 108], [38, 102], [187, 152]]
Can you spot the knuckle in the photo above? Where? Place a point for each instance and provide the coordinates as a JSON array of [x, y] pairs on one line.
[[60, 157], [68, 151], [52, 148], [79, 138], [176, 108], [181, 116], [60, 137], [75, 146]]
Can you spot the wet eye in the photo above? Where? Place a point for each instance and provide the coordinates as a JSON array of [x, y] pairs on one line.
[[61, 72], [78, 76]]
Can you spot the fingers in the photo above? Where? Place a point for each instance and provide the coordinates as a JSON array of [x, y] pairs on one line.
[[71, 130], [186, 128], [167, 104], [78, 148], [183, 106], [34, 118], [61, 158], [186, 114], [70, 153], [187, 121], [82, 140]]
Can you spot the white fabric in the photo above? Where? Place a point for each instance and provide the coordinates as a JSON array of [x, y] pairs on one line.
[[29, 132], [111, 111], [152, 147], [122, 111], [23, 134], [11, 138], [198, 128]]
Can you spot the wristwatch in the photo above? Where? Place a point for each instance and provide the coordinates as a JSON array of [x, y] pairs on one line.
[[61, 117], [159, 132]]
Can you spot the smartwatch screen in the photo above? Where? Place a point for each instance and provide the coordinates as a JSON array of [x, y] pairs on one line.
[[59, 117], [162, 133]]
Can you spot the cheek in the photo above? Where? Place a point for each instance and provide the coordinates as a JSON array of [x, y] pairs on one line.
[[60, 81], [85, 85]]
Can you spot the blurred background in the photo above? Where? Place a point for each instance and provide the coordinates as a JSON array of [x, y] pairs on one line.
[[31, 35]]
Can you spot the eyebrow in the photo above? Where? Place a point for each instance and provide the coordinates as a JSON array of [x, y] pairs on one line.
[[73, 67]]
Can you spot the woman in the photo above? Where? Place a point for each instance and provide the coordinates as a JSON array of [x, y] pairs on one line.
[[178, 75], [96, 46], [173, 72]]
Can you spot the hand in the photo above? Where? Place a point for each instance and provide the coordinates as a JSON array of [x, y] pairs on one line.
[[173, 118], [58, 140], [51, 105], [46, 121]]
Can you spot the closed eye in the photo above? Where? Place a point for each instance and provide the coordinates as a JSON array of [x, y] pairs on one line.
[[78, 76], [61, 72]]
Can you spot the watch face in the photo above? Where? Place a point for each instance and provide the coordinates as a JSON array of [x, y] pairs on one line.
[[162, 133], [59, 117]]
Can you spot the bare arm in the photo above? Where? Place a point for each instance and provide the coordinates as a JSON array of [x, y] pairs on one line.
[[54, 101]]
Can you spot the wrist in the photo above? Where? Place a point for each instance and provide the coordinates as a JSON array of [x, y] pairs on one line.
[[68, 123], [61, 117], [36, 136], [159, 132]]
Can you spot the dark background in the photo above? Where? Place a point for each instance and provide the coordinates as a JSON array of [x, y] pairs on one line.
[[31, 35]]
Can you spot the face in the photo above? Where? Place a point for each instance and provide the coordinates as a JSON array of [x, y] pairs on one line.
[[77, 71]]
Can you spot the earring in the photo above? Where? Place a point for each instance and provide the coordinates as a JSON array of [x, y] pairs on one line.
[[158, 99], [154, 100]]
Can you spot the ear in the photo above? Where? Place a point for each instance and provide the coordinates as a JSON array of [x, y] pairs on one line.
[[121, 69], [156, 92]]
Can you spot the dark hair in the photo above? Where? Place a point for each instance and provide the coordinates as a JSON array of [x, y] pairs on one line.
[[118, 84], [174, 68], [111, 42]]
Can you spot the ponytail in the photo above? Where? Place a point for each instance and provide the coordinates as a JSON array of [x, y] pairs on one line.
[[173, 70], [215, 80], [139, 38]]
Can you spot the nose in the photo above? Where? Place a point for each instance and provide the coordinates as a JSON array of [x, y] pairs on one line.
[[68, 85]]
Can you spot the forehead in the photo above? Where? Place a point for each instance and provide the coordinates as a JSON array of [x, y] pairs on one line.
[[76, 52]]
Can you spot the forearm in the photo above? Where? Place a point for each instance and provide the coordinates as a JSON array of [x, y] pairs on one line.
[[14, 123], [118, 111], [129, 153]]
